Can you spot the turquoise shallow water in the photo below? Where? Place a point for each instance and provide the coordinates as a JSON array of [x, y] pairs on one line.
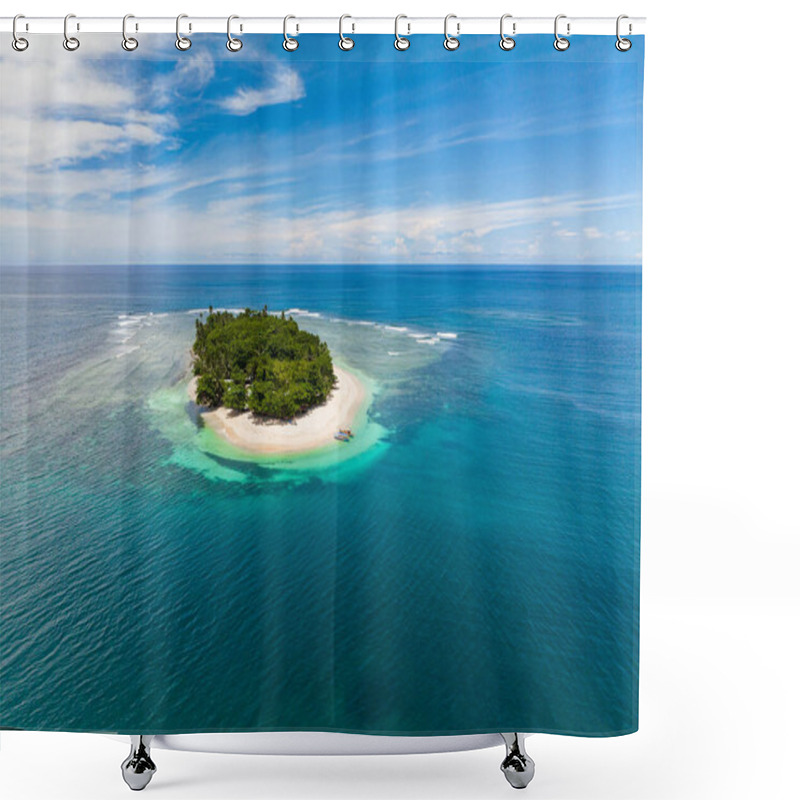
[[471, 564]]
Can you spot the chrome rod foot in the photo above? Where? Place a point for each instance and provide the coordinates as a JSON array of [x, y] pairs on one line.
[[138, 768], [517, 766]]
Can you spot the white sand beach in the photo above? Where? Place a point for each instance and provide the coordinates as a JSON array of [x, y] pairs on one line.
[[314, 429]]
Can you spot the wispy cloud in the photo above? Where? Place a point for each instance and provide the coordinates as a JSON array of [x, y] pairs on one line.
[[61, 142], [282, 85], [94, 147], [188, 78], [242, 229], [56, 114]]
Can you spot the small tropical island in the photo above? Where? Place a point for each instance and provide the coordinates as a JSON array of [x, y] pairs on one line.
[[259, 362], [268, 386]]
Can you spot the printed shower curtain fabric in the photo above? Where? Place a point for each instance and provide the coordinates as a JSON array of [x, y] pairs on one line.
[[320, 386]]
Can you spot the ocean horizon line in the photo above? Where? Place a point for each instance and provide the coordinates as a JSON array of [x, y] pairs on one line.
[[425, 267]]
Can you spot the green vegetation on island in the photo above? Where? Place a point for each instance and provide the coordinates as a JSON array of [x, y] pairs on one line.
[[260, 362]]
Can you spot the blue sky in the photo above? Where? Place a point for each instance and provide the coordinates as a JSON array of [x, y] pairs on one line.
[[318, 156]]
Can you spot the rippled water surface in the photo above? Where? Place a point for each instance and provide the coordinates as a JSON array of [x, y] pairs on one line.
[[468, 563]]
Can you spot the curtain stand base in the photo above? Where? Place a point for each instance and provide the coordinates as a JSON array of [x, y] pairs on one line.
[[517, 766], [138, 768]]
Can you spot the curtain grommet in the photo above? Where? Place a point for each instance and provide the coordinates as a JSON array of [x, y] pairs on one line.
[[290, 44], [70, 43], [507, 42], [129, 43], [345, 42], [401, 43], [19, 43], [182, 42], [233, 44], [451, 43], [561, 43]]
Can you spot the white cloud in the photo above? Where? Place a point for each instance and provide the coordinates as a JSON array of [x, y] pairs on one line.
[[46, 142], [59, 109], [189, 77], [283, 85], [196, 71], [243, 229], [49, 82], [593, 233]]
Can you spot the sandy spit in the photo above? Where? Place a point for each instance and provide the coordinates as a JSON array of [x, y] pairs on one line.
[[310, 431]]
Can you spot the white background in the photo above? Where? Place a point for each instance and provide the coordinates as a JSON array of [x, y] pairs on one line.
[[720, 545]]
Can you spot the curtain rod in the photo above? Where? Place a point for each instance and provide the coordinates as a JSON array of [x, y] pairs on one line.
[[299, 25]]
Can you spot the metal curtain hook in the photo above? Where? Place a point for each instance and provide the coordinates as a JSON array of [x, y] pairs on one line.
[[345, 42], [71, 43], [623, 44], [233, 44], [561, 43], [289, 43], [401, 42], [128, 42], [451, 42], [181, 42], [506, 42], [18, 42]]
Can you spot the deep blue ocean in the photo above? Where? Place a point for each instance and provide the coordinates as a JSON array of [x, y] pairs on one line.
[[470, 564]]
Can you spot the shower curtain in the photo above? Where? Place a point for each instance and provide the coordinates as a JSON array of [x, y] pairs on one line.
[[320, 384]]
